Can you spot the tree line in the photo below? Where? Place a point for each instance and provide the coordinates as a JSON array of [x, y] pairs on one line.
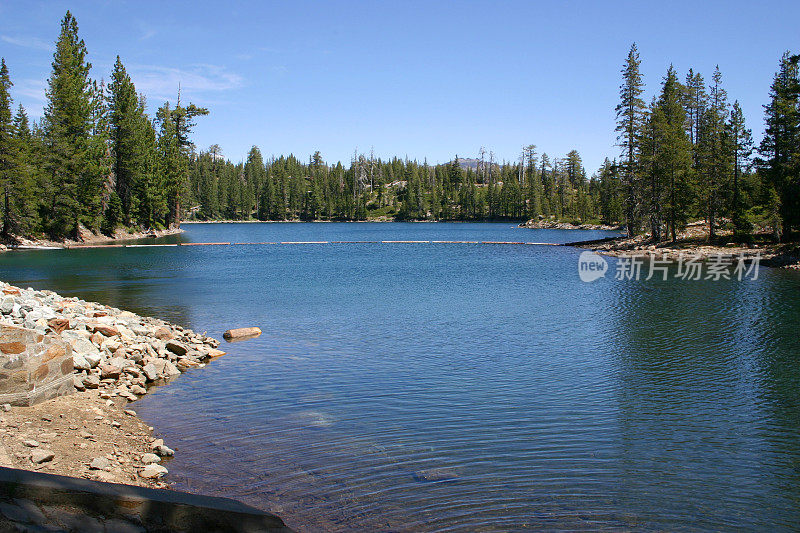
[[689, 155], [97, 160], [286, 188]]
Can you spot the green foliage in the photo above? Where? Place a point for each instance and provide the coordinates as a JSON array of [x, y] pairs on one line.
[[780, 147]]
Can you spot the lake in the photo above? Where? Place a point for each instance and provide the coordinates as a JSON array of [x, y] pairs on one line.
[[462, 387]]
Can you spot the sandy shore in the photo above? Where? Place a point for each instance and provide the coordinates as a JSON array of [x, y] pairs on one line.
[[117, 356]]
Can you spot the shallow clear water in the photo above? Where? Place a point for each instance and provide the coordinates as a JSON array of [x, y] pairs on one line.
[[545, 402]]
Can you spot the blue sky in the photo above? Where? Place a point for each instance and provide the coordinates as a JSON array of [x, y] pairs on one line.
[[418, 79]]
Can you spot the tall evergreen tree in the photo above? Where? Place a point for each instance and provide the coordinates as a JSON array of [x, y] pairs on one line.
[[630, 119], [669, 160], [780, 147], [7, 146], [68, 119], [741, 145], [714, 159]]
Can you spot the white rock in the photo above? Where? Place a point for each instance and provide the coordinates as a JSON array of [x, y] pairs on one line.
[[80, 362], [153, 471], [150, 371], [150, 458], [99, 463], [171, 370]]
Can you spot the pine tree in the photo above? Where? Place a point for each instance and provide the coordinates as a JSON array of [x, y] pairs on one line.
[[714, 159], [127, 122], [669, 160], [741, 145], [21, 212], [8, 149], [175, 147], [68, 126], [780, 146], [630, 119]]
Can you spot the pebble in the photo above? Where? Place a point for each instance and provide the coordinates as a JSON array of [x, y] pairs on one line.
[[99, 463], [40, 456], [31, 443]]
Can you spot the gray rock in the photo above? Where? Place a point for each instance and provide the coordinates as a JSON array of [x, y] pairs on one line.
[[118, 362], [150, 371], [176, 348], [436, 474], [93, 358], [161, 449], [150, 458], [153, 471], [171, 370], [92, 381], [40, 456], [80, 363], [7, 305], [104, 476], [77, 380], [99, 463]]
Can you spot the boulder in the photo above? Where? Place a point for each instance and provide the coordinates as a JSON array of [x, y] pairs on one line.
[[109, 371], [7, 305], [77, 380], [164, 334], [108, 331], [79, 362], [176, 348], [153, 471], [58, 324], [171, 370], [150, 458], [92, 381], [150, 371]]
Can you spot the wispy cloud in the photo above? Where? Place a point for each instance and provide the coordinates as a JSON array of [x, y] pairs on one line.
[[27, 42], [148, 34], [162, 82], [31, 89]]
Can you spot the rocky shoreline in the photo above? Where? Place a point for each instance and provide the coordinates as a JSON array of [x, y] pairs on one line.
[[86, 237], [554, 224], [693, 242], [117, 357]]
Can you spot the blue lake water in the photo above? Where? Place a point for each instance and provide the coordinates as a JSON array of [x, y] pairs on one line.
[[459, 387]]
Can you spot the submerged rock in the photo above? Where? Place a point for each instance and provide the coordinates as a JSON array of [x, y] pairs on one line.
[[436, 474]]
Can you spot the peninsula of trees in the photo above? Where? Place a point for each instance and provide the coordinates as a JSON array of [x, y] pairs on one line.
[[97, 160]]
